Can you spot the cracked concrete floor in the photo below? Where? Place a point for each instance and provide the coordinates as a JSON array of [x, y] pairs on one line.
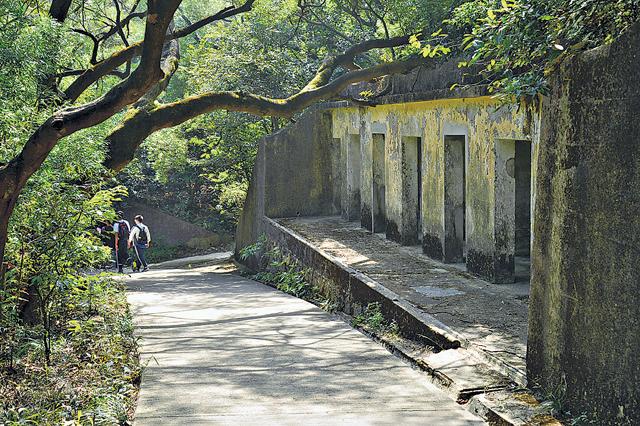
[[222, 349], [491, 316]]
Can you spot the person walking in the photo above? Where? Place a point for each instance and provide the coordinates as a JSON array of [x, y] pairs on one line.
[[140, 239], [122, 231]]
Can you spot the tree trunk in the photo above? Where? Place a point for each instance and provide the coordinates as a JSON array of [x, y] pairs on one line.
[[7, 203]]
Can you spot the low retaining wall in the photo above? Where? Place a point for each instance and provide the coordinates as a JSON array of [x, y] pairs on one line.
[[353, 291], [170, 230]]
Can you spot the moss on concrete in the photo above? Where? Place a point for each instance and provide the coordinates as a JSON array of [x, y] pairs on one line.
[[585, 304]]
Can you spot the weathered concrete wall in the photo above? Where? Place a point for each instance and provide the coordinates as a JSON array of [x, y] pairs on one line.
[[584, 333], [328, 163], [482, 123], [293, 176], [168, 229], [298, 180]]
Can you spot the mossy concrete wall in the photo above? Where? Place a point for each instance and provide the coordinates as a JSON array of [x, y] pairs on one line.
[[293, 176], [169, 230], [584, 332], [483, 123]]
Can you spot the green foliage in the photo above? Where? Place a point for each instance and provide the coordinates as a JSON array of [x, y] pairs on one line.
[[286, 273], [199, 171], [255, 249], [282, 270], [26, 56], [516, 43], [94, 371], [372, 320]]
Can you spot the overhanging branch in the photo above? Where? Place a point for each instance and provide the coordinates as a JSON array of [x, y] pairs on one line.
[[104, 67], [125, 139]]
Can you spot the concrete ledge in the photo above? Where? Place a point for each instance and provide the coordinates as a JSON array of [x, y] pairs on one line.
[[353, 291]]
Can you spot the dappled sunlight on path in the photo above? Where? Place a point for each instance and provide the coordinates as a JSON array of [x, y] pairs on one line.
[[222, 349]]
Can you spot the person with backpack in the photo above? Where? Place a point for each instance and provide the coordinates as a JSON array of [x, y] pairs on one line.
[[121, 229], [140, 239]]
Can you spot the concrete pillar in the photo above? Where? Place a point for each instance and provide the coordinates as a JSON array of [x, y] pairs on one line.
[[504, 212]]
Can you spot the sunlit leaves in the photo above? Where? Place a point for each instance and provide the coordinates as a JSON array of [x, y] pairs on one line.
[[515, 43]]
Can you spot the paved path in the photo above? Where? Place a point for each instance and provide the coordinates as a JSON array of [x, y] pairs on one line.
[[226, 350]]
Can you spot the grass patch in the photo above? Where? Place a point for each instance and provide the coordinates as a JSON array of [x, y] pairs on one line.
[[373, 321], [94, 370], [284, 272]]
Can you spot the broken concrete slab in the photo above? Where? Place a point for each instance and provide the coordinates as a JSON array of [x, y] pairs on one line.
[[517, 408], [467, 374]]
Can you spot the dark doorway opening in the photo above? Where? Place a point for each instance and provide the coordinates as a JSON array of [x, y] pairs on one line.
[[354, 169], [454, 199], [419, 210], [379, 207], [522, 174]]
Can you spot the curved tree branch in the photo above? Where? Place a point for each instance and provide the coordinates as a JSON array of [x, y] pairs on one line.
[[94, 40], [120, 57], [169, 66], [125, 139], [15, 174]]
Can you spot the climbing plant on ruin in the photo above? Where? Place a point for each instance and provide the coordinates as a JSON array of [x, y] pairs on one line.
[[516, 44]]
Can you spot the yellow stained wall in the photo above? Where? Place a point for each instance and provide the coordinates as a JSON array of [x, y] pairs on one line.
[[481, 120]]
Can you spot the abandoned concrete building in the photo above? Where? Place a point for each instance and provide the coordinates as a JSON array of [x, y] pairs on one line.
[[435, 202]]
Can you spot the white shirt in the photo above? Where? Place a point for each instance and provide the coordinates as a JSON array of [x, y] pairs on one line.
[[135, 232]]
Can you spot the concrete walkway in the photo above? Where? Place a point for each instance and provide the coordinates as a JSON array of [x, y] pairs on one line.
[[222, 349]]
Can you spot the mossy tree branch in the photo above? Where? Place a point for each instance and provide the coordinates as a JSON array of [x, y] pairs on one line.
[[140, 123], [108, 65], [15, 174]]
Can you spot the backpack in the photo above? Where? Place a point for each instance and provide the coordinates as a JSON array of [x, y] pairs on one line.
[[142, 235], [123, 231]]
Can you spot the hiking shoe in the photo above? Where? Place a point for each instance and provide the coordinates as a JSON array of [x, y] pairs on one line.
[[145, 269]]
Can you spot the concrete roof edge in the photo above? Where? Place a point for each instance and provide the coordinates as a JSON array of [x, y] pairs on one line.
[[463, 93]]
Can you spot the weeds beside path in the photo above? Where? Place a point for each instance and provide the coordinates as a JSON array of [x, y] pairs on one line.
[[94, 370]]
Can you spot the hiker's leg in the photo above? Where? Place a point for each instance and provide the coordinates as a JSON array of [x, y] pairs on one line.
[[122, 256], [143, 259], [136, 250]]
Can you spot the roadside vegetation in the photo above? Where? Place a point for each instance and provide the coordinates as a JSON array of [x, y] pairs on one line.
[[373, 321], [283, 271], [91, 372]]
